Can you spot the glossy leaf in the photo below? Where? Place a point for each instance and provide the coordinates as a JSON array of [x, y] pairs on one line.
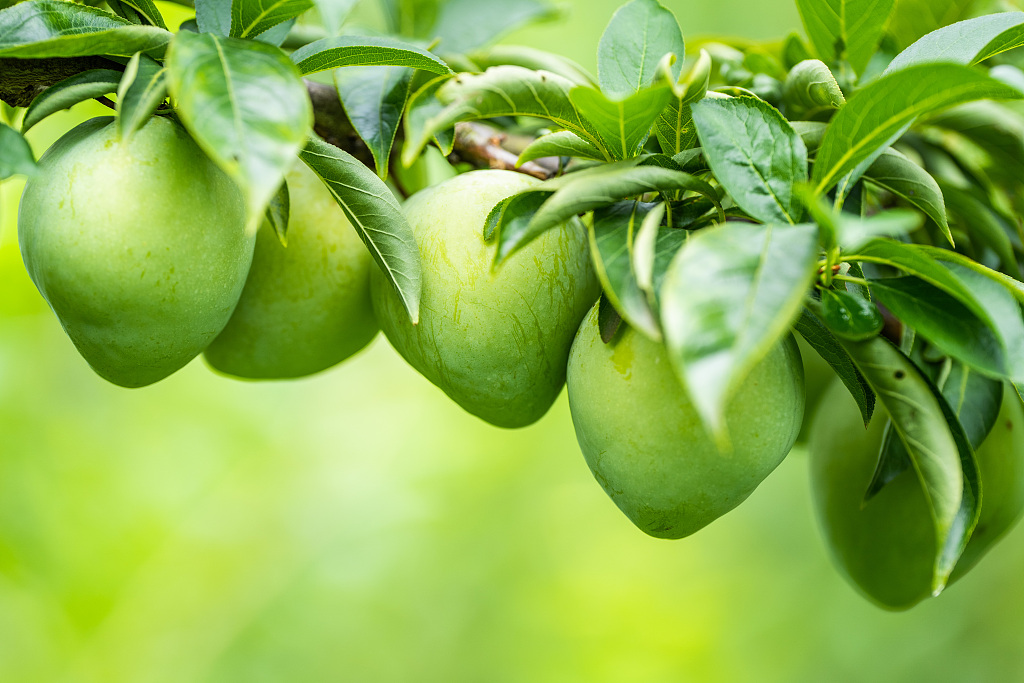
[[674, 126], [15, 154], [511, 216], [639, 34], [877, 115], [499, 91], [755, 154], [374, 99], [894, 172], [611, 234], [563, 143], [331, 53], [140, 92], [464, 25], [534, 59], [811, 88], [214, 16], [818, 336], [422, 107], [250, 18], [52, 28], [70, 91], [853, 232], [375, 214], [245, 105], [732, 293], [965, 42], [623, 126], [279, 212], [845, 29], [645, 247], [850, 316], [147, 9]]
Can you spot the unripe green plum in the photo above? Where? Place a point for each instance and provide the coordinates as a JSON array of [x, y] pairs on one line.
[[139, 246], [646, 444], [496, 341], [886, 546], [305, 307]]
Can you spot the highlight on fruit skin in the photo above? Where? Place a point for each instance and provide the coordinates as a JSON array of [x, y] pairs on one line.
[[305, 306], [644, 440], [495, 340], [139, 246], [885, 547]]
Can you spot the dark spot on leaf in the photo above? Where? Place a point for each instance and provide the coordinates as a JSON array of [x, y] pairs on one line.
[[899, 374], [1009, 425]]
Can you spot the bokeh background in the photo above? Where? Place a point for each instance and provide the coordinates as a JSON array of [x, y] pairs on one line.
[[357, 526]]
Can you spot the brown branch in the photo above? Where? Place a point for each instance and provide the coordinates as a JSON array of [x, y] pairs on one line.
[[24, 79]]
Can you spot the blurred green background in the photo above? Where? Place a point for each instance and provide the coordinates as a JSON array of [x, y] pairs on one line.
[[358, 526]]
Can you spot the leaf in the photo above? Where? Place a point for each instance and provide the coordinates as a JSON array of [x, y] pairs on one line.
[[464, 25], [731, 294], [608, 319], [580, 192], [147, 9], [331, 53], [563, 143], [814, 332], [623, 126], [965, 42], [875, 116], [499, 91], [845, 29], [611, 235], [979, 221], [223, 88], [333, 13], [645, 247], [374, 212], [279, 212], [895, 173], [853, 232], [70, 91], [674, 126], [15, 154], [421, 108], [639, 34], [918, 418], [810, 88], [755, 154], [942, 320], [214, 16], [141, 90], [250, 18], [53, 28], [374, 98], [511, 216], [914, 18], [850, 316], [535, 60]]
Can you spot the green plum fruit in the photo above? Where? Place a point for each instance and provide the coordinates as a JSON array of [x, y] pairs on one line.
[[646, 444], [139, 246], [496, 341], [886, 546], [305, 307]]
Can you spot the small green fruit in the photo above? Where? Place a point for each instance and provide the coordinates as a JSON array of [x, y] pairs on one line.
[[646, 444], [140, 246], [886, 546], [305, 307], [496, 341]]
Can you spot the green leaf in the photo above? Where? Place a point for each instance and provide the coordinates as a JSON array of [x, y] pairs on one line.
[[914, 18], [730, 295], [965, 42], [755, 154], [639, 34], [877, 115], [214, 16], [608, 319], [818, 336], [250, 18], [15, 154], [979, 221], [374, 98], [331, 53], [222, 87], [674, 126], [333, 13], [464, 25], [534, 59], [147, 10], [421, 108], [611, 235], [52, 28], [942, 320], [810, 88], [894, 172], [845, 29], [279, 212], [579, 192], [853, 232], [625, 125], [70, 91], [645, 247], [141, 90], [850, 316], [563, 143], [375, 214], [499, 91]]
